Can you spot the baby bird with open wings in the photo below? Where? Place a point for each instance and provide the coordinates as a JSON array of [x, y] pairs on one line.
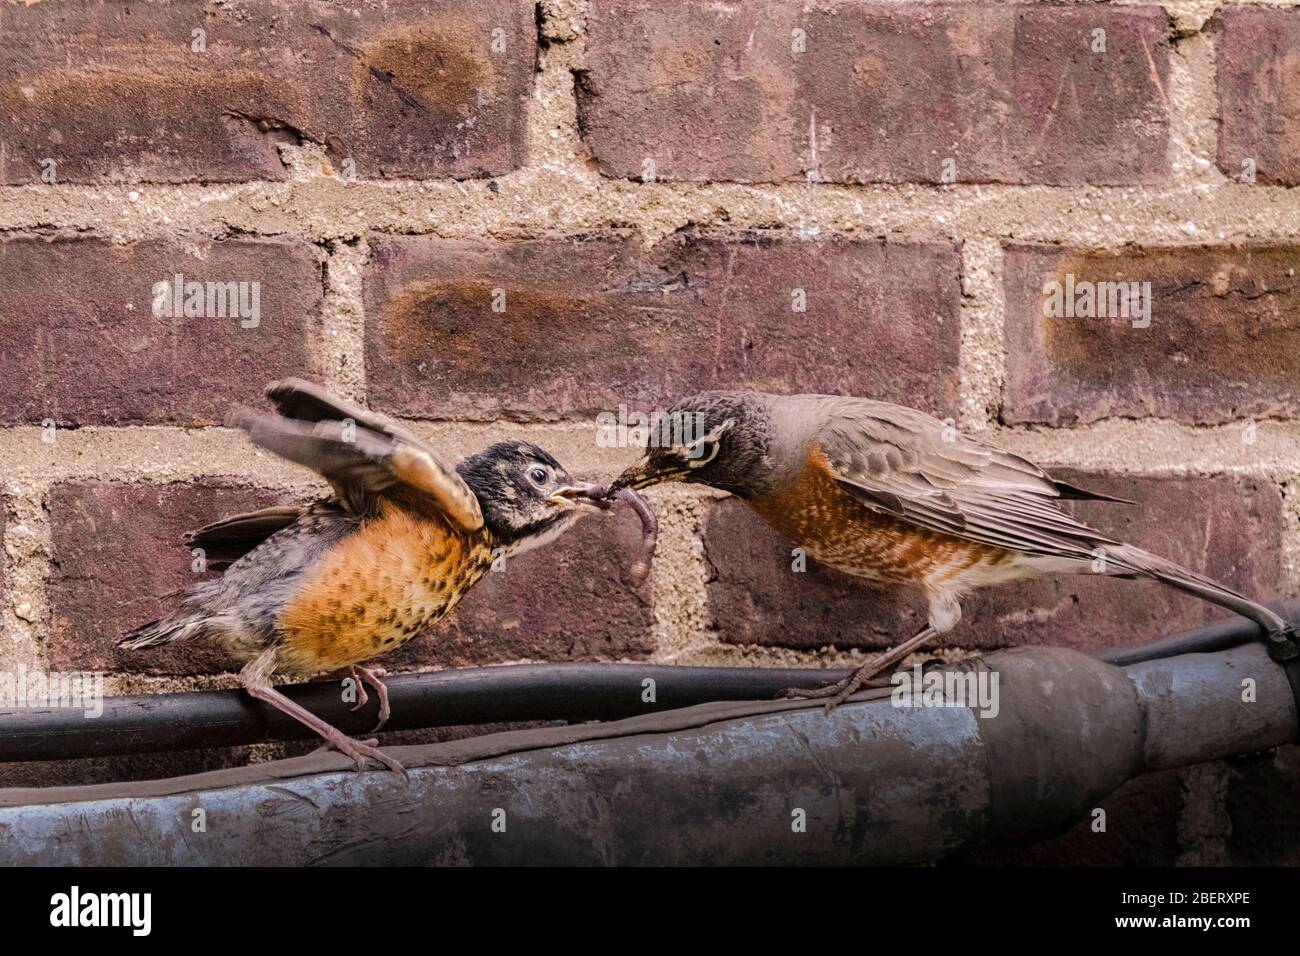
[[326, 586]]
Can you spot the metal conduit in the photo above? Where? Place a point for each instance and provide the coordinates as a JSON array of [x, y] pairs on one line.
[[716, 783]]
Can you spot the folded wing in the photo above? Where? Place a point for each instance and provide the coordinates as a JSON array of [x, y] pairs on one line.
[[909, 465]]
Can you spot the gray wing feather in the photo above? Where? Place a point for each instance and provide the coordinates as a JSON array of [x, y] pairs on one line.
[[305, 401], [364, 455]]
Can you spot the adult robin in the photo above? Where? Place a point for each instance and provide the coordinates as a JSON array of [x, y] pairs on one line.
[[892, 495], [324, 587]]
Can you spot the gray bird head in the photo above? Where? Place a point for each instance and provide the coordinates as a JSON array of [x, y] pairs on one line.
[[719, 439], [526, 496]]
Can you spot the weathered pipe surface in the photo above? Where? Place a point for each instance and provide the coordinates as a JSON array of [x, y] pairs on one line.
[[716, 783]]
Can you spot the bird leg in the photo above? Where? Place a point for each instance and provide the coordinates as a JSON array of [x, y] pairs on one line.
[[839, 692], [371, 675], [256, 679]]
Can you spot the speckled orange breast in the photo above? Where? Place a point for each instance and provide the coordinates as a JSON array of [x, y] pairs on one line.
[[378, 589], [815, 513]]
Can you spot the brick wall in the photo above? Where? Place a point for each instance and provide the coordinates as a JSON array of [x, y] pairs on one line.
[[646, 185]]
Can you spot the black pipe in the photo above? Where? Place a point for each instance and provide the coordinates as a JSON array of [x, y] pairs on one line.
[[151, 723], [148, 723], [1218, 636]]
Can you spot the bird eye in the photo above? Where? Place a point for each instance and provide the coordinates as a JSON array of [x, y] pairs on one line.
[[702, 452], [537, 476], [705, 448]]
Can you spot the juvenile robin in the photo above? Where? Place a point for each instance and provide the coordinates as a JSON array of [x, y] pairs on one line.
[[340, 581], [889, 494]]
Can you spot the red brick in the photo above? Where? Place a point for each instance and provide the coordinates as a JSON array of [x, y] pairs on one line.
[[1258, 68], [883, 93], [1222, 344], [117, 552], [594, 321], [113, 92], [1263, 803], [82, 345], [1235, 537], [571, 600]]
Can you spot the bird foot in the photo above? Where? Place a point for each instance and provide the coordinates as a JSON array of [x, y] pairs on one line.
[[359, 751], [835, 694], [838, 693], [255, 676]]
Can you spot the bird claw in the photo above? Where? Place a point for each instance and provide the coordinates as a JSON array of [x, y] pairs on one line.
[[836, 693], [360, 751], [371, 676], [798, 693], [842, 690]]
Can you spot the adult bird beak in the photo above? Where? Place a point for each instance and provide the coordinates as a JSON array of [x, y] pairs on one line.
[[644, 474], [581, 494]]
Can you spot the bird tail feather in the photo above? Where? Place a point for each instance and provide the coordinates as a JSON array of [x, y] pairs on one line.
[[1175, 576], [165, 631]]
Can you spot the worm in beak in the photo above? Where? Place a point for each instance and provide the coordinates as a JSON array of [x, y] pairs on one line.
[[584, 494], [649, 530]]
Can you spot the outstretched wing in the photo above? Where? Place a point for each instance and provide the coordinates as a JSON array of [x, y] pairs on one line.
[[909, 465], [307, 402], [363, 454]]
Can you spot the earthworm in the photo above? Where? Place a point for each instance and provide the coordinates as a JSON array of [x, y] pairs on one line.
[[649, 532]]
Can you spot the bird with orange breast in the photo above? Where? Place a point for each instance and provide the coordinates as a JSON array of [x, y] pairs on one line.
[[889, 494], [326, 586]]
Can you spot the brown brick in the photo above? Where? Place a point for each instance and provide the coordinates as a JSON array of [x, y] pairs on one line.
[[82, 345], [571, 600], [1223, 343], [117, 552], [884, 92], [1228, 528], [591, 322], [113, 92], [1258, 68], [1263, 803], [1235, 537]]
